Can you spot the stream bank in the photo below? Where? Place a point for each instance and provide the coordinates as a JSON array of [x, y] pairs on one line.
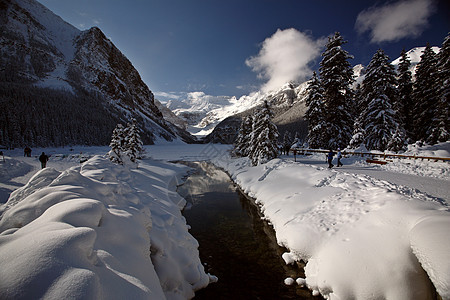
[[236, 244]]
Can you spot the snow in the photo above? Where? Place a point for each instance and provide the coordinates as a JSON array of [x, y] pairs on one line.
[[414, 56], [98, 230], [55, 32], [362, 237]]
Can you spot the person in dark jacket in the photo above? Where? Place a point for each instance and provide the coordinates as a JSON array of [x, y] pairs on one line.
[[27, 151], [330, 159], [43, 159]]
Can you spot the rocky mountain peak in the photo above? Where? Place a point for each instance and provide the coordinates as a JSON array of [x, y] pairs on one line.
[[40, 50]]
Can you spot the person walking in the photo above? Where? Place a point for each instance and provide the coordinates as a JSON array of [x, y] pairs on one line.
[[27, 151], [339, 156], [330, 159], [43, 159]]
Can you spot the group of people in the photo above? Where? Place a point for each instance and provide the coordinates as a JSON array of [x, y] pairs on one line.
[[43, 158], [330, 156]]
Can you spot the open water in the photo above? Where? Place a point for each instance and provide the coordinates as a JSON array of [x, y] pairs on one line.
[[236, 245]]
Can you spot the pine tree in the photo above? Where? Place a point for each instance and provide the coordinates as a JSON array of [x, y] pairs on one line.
[[379, 119], [242, 145], [117, 144], [133, 142], [263, 137], [404, 106], [336, 75], [358, 135], [297, 142], [316, 114], [440, 126], [424, 94]]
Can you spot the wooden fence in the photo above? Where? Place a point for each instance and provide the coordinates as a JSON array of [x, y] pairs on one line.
[[306, 151]]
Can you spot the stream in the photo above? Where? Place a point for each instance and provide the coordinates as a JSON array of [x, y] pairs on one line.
[[236, 245]]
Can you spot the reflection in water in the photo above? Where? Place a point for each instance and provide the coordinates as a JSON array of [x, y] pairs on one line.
[[236, 245]]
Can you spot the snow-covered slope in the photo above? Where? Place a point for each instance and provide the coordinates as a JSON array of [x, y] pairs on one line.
[[43, 40], [362, 238], [414, 56], [99, 231], [204, 112], [39, 48]]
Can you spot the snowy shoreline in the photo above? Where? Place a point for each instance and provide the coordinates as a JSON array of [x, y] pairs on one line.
[[359, 235], [336, 221], [99, 231]]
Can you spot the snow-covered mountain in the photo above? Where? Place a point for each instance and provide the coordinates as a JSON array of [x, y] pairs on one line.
[[414, 56], [40, 50], [204, 112]]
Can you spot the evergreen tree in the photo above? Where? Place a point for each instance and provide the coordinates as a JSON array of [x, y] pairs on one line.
[[263, 137], [440, 126], [424, 94], [379, 119], [397, 142], [242, 145], [117, 144], [297, 142], [316, 114], [133, 143], [336, 75], [405, 103], [358, 135]]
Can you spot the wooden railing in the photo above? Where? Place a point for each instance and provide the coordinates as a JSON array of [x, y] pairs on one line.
[[305, 151]]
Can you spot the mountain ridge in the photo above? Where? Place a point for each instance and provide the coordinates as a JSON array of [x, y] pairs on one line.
[[39, 50]]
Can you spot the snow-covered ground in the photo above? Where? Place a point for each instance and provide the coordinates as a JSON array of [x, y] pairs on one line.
[[362, 236], [95, 231], [366, 231]]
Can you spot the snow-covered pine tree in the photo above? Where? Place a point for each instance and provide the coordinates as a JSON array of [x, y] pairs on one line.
[[424, 94], [242, 145], [379, 91], [297, 142], [133, 143], [116, 144], [336, 75], [358, 134], [263, 137], [397, 142], [316, 114], [440, 126], [405, 103]]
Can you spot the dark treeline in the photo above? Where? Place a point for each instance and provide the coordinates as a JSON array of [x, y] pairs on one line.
[[41, 117]]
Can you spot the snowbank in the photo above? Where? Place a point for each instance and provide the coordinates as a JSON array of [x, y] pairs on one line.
[[362, 238], [99, 231]]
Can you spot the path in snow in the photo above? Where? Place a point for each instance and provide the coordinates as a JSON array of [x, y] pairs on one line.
[[434, 187]]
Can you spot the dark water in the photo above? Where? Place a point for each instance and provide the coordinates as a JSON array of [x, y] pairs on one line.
[[236, 245]]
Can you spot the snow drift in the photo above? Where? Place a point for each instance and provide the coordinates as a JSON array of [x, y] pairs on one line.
[[362, 238], [99, 231]]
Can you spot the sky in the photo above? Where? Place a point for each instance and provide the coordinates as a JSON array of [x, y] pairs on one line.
[[236, 47]]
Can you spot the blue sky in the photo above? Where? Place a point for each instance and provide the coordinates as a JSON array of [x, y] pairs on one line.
[[234, 47]]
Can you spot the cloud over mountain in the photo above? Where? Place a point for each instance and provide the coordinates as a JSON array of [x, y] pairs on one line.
[[394, 21], [285, 56]]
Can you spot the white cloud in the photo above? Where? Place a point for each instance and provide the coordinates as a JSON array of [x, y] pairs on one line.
[[167, 96], [284, 57], [394, 21]]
